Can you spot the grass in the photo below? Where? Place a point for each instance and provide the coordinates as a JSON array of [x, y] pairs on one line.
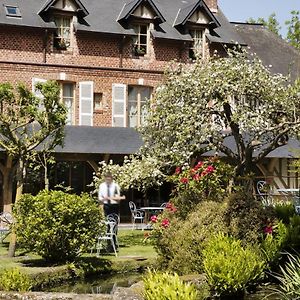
[[133, 254]]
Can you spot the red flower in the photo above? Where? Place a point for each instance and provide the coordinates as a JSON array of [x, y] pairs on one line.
[[198, 166], [171, 207], [197, 177], [203, 173], [178, 170], [268, 230], [165, 223], [210, 169], [153, 219], [184, 180]]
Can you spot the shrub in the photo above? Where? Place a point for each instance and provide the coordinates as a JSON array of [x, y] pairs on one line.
[[293, 236], [274, 243], [246, 217], [180, 245], [56, 225], [165, 286], [14, 280], [231, 268], [284, 211], [290, 279]]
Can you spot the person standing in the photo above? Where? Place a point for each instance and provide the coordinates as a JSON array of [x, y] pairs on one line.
[[109, 195]]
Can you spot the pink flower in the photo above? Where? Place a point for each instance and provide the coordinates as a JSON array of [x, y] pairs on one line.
[[178, 170], [153, 219], [171, 207], [165, 223], [184, 180], [210, 169], [268, 230], [197, 177]]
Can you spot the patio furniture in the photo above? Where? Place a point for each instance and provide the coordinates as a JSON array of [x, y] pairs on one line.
[[136, 214], [148, 210], [164, 204], [6, 220], [264, 193], [109, 236]]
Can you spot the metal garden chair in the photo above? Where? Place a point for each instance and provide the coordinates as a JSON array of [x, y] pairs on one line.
[[6, 220], [264, 193], [136, 214]]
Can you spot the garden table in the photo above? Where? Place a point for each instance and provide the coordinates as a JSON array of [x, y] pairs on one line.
[[148, 210]]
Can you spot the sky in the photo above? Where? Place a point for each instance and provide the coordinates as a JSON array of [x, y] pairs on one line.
[[241, 10]]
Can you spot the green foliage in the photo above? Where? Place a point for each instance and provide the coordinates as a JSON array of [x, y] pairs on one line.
[[293, 35], [290, 279], [231, 268], [180, 245], [166, 286], [273, 244], [271, 23], [14, 280], [293, 237], [56, 225], [284, 211], [246, 217]]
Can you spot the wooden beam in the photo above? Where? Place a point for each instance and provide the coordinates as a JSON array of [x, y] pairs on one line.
[[94, 165], [106, 157]]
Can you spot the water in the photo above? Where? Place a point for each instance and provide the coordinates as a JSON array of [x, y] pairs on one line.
[[100, 285]]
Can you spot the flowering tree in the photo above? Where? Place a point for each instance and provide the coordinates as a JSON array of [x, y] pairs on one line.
[[201, 107]]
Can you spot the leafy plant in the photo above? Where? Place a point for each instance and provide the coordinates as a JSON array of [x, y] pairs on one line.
[[293, 238], [14, 280], [290, 279], [56, 225], [231, 268], [166, 286], [284, 211]]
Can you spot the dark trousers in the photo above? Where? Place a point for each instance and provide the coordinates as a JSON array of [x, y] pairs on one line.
[[111, 209]]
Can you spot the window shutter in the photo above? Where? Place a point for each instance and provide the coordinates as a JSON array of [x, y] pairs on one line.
[[119, 105], [36, 92], [86, 99]]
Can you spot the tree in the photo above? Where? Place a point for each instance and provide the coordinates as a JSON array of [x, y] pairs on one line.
[[212, 104], [293, 35], [271, 23], [26, 123]]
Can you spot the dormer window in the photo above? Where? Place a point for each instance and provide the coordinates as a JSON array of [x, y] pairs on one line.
[[63, 34], [197, 46], [141, 40], [12, 11]]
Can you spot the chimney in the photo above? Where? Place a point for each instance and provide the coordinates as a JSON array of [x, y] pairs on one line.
[[212, 5]]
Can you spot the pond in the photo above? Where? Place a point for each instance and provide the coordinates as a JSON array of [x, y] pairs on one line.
[[98, 285]]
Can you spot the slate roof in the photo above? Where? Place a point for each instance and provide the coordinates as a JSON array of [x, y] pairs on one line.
[[100, 140], [103, 15], [271, 49]]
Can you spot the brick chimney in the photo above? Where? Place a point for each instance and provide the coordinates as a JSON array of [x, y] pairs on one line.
[[212, 4]]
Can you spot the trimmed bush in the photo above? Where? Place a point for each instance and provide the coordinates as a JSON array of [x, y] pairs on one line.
[[14, 280], [56, 225], [180, 245], [165, 286], [284, 211], [230, 268]]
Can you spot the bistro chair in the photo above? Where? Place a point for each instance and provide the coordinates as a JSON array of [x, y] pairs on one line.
[[6, 221], [110, 236], [136, 214], [164, 204], [264, 193]]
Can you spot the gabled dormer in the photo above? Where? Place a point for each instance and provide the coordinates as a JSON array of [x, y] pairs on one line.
[[142, 16], [64, 14], [196, 19]]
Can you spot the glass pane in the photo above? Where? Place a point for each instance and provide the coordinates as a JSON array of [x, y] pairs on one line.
[[68, 90], [143, 29], [11, 10], [132, 94], [69, 105], [143, 40], [145, 94]]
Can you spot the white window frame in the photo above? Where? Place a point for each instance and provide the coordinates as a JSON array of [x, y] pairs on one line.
[[59, 31], [62, 83], [195, 33], [137, 40]]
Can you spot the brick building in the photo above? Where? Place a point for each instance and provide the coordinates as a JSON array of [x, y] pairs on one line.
[[108, 56]]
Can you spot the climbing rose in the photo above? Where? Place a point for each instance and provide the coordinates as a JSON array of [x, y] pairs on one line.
[[153, 219], [268, 230], [165, 223], [209, 169], [178, 170], [184, 180], [197, 177], [198, 166], [171, 207]]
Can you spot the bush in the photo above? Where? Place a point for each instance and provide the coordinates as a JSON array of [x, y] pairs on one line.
[[14, 280], [180, 245], [165, 286], [293, 236], [246, 217], [56, 225], [284, 211], [231, 268], [290, 279]]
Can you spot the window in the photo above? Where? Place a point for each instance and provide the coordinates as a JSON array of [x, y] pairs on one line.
[[141, 40], [197, 45], [62, 37], [68, 100], [12, 11], [138, 96], [98, 101]]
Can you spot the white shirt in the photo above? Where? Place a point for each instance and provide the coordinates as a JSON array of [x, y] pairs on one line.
[[114, 190]]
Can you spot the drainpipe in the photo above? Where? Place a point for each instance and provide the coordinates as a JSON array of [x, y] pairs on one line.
[[45, 46]]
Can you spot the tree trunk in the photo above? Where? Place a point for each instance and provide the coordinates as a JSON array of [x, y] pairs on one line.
[[7, 185], [21, 173], [46, 178]]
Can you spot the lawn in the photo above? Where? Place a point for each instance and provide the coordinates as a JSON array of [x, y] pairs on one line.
[[134, 254]]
